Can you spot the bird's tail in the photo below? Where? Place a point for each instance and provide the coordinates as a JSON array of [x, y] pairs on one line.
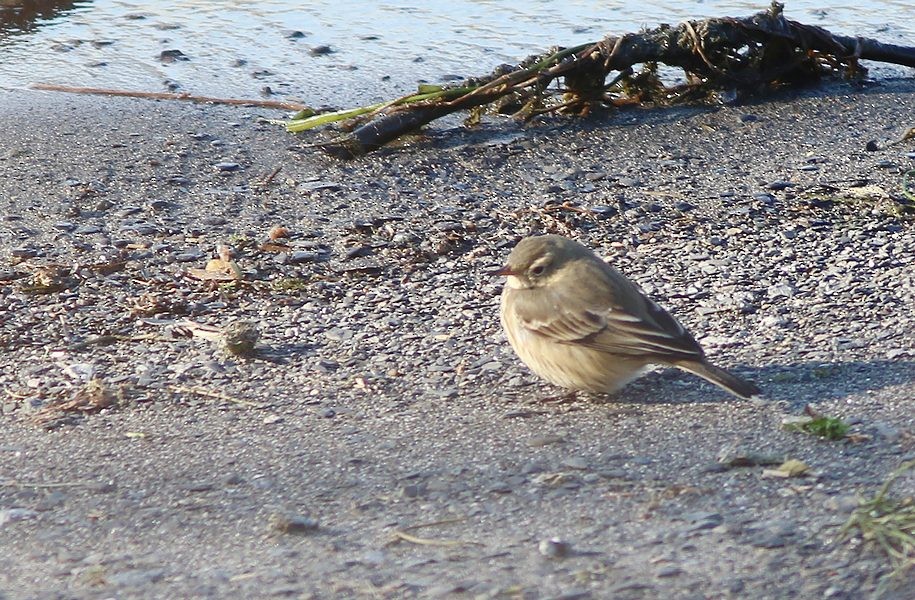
[[721, 378]]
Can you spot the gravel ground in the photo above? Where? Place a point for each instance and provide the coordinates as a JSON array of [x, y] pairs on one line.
[[383, 441]]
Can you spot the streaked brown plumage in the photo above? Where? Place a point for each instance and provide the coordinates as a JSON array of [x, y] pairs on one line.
[[581, 324]]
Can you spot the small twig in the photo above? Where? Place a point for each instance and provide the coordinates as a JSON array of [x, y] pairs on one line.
[[214, 395], [269, 178], [278, 104], [401, 535]]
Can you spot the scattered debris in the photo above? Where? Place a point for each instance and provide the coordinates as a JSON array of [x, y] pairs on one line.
[[92, 397]]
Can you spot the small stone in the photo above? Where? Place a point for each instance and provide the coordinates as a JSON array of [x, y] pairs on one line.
[[554, 548], [302, 256], [412, 490], [11, 515], [338, 334], [544, 440], [199, 486], [842, 504], [359, 252], [292, 523], [103, 487], [604, 211], [170, 56], [321, 50], [780, 185], [576, 463], [190, 256], [781, 290], [23, 253], [227, 166], [669, 571]]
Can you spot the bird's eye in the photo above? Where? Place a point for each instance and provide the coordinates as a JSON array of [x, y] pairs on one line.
[[537, 270]]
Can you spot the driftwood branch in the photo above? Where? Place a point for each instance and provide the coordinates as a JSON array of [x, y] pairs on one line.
[[745, 56]]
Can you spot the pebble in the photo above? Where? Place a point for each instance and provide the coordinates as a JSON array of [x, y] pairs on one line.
[[170, 56], [23, 252], [292, 523], [338, 334], [604, 211], [554, 548], [544, 440], [302, 256], [774, 536], [193, 255], [843, 504], [577, 463], [780, 185], [227, 166], [11, 515], [781, 290], [199, 486]]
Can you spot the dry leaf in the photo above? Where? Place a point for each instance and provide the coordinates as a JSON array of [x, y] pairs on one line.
[[790, 468]]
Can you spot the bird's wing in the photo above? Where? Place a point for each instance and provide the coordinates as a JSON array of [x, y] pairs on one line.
[[616, 318]]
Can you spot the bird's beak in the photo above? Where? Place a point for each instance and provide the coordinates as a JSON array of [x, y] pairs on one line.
[[503, 272]]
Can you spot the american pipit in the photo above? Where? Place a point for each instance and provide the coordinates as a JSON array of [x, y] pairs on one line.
[[581, 324]]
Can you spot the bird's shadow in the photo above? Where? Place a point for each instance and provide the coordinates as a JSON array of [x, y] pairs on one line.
[[796, 384]]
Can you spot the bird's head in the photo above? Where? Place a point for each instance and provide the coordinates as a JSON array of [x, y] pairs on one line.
[[536, 261]]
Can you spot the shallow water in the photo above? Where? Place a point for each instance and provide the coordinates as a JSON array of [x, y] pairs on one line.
[[239, 48]]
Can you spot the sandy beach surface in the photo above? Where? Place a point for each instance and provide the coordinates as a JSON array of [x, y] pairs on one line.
[[382, 441]]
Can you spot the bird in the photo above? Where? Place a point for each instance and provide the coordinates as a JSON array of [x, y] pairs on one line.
[[580, 324]]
